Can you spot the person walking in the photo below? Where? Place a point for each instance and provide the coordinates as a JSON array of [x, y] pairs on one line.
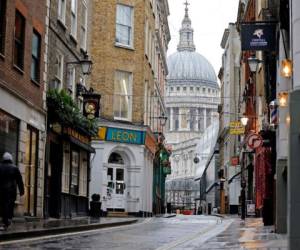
[[10, 178]]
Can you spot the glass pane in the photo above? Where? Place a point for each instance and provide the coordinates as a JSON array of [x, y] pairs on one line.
[[123, 34], [119, 187], [19, 26], [9, 128], [110, 174], [35, 45], [124, 101], [73, 6], [124, 14], [120, 174]]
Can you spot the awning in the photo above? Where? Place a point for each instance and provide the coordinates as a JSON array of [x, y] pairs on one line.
[[82, 145]]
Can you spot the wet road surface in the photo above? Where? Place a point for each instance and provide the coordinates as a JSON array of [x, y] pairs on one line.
[[180, 232]]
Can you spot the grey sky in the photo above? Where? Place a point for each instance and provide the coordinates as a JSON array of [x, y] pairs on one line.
[[209, 19]]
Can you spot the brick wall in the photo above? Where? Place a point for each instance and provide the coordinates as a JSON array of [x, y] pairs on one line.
[[19, 82]]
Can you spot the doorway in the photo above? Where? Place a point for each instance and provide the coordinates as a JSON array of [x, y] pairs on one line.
[[31, 163], [116, 183], [54, 180]]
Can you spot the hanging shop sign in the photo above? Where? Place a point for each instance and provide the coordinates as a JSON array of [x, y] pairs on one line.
[[125, 136], [258, 36], [150, 142], [91, 105], [236, 128]]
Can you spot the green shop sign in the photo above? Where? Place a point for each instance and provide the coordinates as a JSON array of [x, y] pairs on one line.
[[125, 136]]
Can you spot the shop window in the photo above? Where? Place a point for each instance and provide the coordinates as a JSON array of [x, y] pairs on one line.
[[66, 169], [9, 131], [124, 23], [2, 25], [74, 172], [36, 56], [83, 174], [19, 38]]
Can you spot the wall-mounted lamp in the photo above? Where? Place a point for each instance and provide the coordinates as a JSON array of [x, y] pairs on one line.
[[85, 63], [283, 99], [253, 62], [244, 120], [286, 68]]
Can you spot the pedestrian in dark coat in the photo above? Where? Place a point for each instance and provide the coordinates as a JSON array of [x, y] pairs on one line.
[[10, 178]]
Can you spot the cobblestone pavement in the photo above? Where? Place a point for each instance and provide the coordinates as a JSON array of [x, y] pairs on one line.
[[181, 232]]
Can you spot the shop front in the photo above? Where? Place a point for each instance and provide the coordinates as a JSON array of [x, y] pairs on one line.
[[122, 169], [67, 173]]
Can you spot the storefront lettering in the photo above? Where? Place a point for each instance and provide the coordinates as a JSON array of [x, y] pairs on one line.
[[124, 136], [76, 135]]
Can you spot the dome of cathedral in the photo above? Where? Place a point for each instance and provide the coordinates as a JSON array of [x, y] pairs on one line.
[[186, 66], [190, 67]]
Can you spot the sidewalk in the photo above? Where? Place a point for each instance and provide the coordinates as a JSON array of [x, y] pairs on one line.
[[251, 234], [21, 228]]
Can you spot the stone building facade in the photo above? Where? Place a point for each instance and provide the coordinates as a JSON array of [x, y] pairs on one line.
[[22, 91], [192, 98], [129, 46], [68, 146]]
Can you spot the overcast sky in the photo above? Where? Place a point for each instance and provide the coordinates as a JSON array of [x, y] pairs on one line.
[[209, 19]]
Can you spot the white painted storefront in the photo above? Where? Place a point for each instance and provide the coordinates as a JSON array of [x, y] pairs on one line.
[[122, 174]]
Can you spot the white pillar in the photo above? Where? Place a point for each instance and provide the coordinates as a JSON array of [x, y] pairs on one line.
[[204, 118], [171, 119]]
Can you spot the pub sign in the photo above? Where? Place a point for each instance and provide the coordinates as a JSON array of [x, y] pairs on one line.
[[91, 105], [258, 36]]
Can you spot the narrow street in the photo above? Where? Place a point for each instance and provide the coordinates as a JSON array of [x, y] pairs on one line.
[[180, 232]]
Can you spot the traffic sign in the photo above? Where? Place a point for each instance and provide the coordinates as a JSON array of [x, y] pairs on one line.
[[254, 141], [236, 128]]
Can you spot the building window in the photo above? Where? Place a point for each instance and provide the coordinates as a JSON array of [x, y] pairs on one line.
[[203, 90], [184, 88], [65, 186], [171, 88], [122, 95], [178, 88], [74, 171], [9, 131], [124, 22], [59, 70], [71, 81], [83, 177], [36, 56], [191, 88], [2, 25], [19, 40], [198, 88], [83, 33], [62, 11], [74, 18]]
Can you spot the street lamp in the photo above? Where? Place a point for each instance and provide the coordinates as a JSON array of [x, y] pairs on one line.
[[244, 120], [163, 119], [85, 63], [253, 62]]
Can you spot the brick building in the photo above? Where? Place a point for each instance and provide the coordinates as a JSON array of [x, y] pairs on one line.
[[129, 46], [22, 95]]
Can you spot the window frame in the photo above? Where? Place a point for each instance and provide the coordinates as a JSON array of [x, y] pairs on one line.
[[74, 189], [73, 22], [3, 3], [20, 41], [129, 96], [38, 59], [60, 77], [61, 11], [131, 33], [84, 26]]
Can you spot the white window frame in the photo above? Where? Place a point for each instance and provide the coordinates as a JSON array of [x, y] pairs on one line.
[[131, 34], [59, 74], [72, 81], [74, 18], [83, 32], [62, 11], [129, 96]]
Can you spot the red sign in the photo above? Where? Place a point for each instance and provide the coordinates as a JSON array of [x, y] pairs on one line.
[[254, 141], [235, 161]]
